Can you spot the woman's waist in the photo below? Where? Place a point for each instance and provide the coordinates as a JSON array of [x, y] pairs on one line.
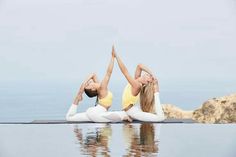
[[103, 106]]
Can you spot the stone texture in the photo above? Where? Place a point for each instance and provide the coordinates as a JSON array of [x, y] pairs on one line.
[[216, 110], [172, 111]]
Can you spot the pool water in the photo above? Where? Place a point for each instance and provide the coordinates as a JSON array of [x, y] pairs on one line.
[[128, 139]]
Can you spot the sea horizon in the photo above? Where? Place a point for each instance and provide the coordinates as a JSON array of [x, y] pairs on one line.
[[38, 100]]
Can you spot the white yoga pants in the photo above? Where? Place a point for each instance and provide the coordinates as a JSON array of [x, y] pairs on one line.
[[97, 113], [136, 113]]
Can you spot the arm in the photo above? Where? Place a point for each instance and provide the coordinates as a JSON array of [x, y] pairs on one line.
[[92, 76], [156, 85], [135, 84], [79, 97], [158, 108], [105, 81], [139, 69], [72, 114]]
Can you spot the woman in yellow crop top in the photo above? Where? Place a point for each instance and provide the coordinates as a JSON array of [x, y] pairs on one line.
[[143, 88], [93, 88]]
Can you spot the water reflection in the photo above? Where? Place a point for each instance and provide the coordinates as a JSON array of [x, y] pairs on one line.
[[95, 142], [141, 142], [138, 140]]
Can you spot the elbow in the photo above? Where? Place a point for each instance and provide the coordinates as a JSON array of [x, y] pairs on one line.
[[94, 75], [139, 66]]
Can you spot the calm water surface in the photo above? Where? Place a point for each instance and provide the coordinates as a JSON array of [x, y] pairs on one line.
[[147, 139]]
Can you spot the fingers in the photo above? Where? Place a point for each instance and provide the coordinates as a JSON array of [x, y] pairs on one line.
[[128, 119], [113, 51], [154, 78]]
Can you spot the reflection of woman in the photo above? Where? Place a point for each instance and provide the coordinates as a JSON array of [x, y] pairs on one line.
[[144, 88], [95, 143], [93, 88], [147, 138], [142, 144]]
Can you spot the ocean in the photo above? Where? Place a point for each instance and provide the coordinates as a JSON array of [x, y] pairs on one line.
[[43, 100], [28, 101]]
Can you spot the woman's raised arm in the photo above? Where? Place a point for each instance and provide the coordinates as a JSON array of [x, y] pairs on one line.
[[135, 84], [105, 81], [140, 68]]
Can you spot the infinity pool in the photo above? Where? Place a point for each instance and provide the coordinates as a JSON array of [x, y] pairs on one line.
[[147, 139]]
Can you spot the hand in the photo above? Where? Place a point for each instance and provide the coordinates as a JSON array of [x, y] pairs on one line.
[[128, 119], [154, 79], [113, 52], [156, 86]]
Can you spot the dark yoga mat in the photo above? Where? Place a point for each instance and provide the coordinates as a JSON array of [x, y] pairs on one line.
[[65, 122]]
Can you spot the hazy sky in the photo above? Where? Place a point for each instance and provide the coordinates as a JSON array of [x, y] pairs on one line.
[[68, 39]]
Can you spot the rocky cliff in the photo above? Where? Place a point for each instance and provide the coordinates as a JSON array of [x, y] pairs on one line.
[[216, 110]]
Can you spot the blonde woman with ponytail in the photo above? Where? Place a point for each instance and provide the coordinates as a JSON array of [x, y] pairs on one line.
[[140, 87]]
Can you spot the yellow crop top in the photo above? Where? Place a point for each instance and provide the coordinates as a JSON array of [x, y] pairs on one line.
[[106, 101], [128, 98]]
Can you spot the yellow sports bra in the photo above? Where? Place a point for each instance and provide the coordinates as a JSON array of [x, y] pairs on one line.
[[128, 98], [106, 101]]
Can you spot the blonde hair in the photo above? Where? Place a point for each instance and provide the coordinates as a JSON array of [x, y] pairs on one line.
[[147, 98]]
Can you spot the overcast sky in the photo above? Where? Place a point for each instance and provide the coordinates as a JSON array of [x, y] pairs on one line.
[[68, 39]]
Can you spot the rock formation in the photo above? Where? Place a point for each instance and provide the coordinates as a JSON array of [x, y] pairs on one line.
[[172, 111], [216, 110]]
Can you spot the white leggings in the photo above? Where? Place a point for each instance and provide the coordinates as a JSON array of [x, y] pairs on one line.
[[93, 114], [72, 115], [136, 113]]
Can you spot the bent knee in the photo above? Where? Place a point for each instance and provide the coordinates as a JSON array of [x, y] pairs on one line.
[[91, 113]]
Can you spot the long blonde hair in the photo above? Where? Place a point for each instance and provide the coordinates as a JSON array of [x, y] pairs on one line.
[[147, 98]]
